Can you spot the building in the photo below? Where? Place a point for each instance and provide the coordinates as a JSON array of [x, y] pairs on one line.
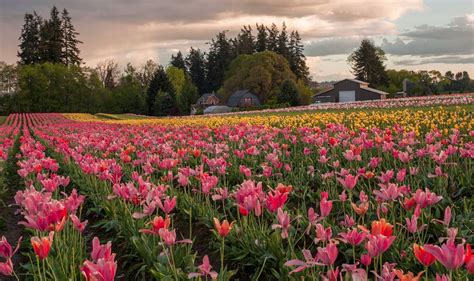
[[348, 90], [215, 109], [243, 98], [207, 100]]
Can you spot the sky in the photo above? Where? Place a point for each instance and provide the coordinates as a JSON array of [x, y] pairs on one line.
[[415, 34]]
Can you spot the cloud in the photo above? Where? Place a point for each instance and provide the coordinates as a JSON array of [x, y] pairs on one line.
[[437, 60], [456, 38], [331, 46], [115, 27]]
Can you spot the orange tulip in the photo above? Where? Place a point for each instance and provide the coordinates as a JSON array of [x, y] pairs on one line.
[[43, 245], [423, 256], [224, 228], [382, 227], [407, 277], [361, 209]]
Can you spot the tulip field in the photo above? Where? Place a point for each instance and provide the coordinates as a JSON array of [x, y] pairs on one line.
[[324, 194]]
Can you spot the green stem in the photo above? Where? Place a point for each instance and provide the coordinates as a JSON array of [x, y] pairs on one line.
[[222, 255]]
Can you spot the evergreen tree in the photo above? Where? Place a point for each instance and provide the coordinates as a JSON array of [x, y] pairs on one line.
[[296, 57], [245, 42], [261, 44], [367, 64], [196, 64], [288, 93], [29, 40], [283, 43], [70, 52], [272, 40], [161, 98], [218, 59], [178, 61], [164, 104], [52, 39]]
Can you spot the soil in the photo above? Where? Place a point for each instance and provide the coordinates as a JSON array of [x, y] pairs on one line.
[[9, 215]]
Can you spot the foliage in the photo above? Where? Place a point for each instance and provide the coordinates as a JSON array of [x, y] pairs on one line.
[[178, 61], [160, 90], [424, 82], [53, 40], [367, 63], [196, 65], [260, 73], [189, 95], [288, 93]]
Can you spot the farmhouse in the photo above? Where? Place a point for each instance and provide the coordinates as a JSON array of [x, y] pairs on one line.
[[207, 100], [243, 98], [348, 90]]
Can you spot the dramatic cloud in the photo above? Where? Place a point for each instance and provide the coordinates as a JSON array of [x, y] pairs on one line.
[[456, 38], [146, 27]]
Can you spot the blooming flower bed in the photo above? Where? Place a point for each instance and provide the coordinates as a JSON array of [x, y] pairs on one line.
[[384, 195]]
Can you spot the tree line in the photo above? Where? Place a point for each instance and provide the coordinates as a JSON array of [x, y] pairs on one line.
[[50, 75], [208, 70]]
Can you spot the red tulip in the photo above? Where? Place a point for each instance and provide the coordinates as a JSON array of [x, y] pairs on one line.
[[422, 255], [381, 227], [224, 228], [469, 259], [42, 246], [156, 224]]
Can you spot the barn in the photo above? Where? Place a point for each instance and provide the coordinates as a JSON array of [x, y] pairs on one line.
[[243, 98], [348, 90]]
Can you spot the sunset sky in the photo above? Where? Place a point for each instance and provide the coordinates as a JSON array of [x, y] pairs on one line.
[[415, 34]]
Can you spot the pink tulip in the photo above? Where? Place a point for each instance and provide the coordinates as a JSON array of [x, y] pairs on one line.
[[325, 206], [447, 216], [426, 198], [442, 277], [378, 244], [6, 250], [6, 268], [449, 255], [101, 251], [349, 181], [78, 225], [102, 270], [353, 237], [275, 200], [168, 204], [302, 265], [328, 254], [322, 234], [204, 270], [283, 223], [365, 259], [169, 237]]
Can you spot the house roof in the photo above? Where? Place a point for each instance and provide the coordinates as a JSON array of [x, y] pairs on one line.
[[235, 98], [376, 91], [355, 81], [204, 97], [325, 91]]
